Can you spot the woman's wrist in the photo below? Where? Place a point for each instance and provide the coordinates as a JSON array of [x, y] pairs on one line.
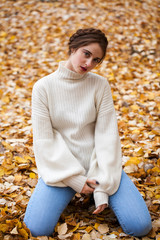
[[76, 182]]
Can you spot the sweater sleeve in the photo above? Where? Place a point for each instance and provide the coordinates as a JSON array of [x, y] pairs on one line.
[[106, 163], [55, 162]]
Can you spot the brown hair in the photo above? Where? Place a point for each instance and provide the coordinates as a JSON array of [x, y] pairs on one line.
[[83, 37]]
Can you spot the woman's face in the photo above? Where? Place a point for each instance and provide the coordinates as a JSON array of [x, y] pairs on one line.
[[84, 59]]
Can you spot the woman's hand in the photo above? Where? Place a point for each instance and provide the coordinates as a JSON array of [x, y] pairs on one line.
[[100, 208], [89, 186]]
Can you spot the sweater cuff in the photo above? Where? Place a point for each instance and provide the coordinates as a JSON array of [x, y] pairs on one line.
[[100, 198], [76, 182]]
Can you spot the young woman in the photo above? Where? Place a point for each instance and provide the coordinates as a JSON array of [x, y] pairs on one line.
[[76, 143]]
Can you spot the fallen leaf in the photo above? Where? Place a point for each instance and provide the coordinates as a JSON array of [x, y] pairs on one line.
[[62, 229], [103, 228], [14, 231], [65, 236], [4, 228], [86, 237]]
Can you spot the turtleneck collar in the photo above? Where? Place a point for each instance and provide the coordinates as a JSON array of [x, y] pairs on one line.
[[67, 74]]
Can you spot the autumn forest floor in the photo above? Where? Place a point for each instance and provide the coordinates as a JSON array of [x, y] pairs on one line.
[[33, 39]]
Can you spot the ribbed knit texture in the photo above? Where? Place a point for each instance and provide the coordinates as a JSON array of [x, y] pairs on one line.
[[75, 132]]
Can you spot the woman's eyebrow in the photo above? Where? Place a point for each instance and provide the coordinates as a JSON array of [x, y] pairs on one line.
[[88, 51]]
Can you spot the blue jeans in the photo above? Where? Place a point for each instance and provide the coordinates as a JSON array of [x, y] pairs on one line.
[[47, 204]]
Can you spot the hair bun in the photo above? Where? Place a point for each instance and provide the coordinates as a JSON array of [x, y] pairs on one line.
[[87, 31]]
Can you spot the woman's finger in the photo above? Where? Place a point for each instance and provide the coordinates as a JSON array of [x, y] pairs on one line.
[[87, 189], [100, 208]]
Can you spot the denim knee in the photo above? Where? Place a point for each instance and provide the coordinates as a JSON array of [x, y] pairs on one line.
[[45, 207], [142, 229], [137, 227], [41, 231], [130, 208]]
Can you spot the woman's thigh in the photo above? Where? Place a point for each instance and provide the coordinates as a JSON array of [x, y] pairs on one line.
[[130, 208], [45, 207]]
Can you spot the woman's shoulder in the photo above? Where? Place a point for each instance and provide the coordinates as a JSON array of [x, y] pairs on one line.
[[43, 82], [98, 79]]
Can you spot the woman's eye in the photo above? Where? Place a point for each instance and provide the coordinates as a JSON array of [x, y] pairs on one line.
[[97, 60], [86, 54]]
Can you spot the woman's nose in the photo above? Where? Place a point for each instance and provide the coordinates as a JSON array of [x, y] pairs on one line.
[[89, 62]]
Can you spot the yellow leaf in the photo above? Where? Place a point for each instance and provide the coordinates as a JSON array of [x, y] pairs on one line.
[[158, 181], [100, 218], [7, 146], [27, 157], [141, 112], [111, 77], [23, 233], [2, 172], [139, 151], [75, 228], [132, 160], [32, 175], [70, 220], [134, 107], [57, 30], [8, 166], [4, 227], [136, 131], [114, 97], [19, 224], [134, 93], [125, 109], [76, 236], [151, 95], [6, 99], [82, 227], [157, 196], [89, 229], [20, 159], [127, 146], [12, 38], [3, 34], [156, 169], [4, 210], [1, 93], [96, 225]]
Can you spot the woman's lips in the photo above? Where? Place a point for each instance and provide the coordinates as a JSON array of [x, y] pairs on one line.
[[84, 69]]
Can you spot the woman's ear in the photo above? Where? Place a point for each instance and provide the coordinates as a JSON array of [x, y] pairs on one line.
[[73, 50]]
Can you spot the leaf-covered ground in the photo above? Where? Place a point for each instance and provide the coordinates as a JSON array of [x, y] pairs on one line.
[[33, 39]]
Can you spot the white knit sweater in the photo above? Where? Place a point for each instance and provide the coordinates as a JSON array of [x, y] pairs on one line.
[[75, 133]]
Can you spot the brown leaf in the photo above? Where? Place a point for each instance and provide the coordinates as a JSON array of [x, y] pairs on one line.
[[86, 237], [103, 228], [62, 229]]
